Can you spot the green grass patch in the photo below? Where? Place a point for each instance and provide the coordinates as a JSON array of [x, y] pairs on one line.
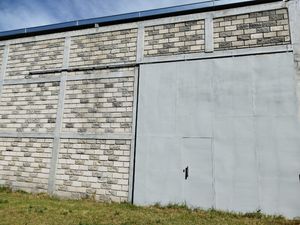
[[18, 208]]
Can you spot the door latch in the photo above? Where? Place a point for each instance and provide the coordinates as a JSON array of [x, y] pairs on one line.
[[186, 173]]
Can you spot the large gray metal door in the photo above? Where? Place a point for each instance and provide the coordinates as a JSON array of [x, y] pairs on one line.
[[159, 161], [234, 122], [174, 139]]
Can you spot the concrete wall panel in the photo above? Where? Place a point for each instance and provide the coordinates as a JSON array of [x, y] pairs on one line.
[[278, 154], [194, 100], [161, 88], [233, 87], [248, 106], [196, 154], [163, 182], [275, 86], [235, 164]]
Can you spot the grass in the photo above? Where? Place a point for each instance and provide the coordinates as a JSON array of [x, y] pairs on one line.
[[19, 208]]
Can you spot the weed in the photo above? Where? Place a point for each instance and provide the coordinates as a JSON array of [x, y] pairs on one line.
[[3, 201], [24, 208]]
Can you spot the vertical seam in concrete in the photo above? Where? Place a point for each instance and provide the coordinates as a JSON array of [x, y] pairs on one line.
[[140, 43], [209, 34], [59, 119], [209, 47], [179, 141], [214, 204], [3, 67], [256, 149], [133, 140]]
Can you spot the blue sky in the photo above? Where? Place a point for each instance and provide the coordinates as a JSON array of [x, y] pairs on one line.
[[16, 14]]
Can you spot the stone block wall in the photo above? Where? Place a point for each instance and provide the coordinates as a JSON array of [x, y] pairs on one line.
[[25, 163], [176, 38], [98, 168], [67, 126], [31, 56], [99, 105], [103, 48], [29, 107], [251, 30], [86, 122]]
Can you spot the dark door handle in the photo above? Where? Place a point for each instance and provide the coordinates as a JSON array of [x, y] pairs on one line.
[[186, 173]]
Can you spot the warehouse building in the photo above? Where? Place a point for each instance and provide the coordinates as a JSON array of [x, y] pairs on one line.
[[196, 104]]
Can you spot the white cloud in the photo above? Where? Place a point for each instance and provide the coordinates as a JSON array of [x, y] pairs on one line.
[[24, 15]]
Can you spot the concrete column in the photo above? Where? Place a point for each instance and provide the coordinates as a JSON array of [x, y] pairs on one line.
[[59, 119], [133, 139], [209, 34], [140, 43], [3, 66], [294, 16]]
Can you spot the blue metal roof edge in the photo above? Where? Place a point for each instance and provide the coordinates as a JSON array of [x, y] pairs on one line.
[[122, 18]]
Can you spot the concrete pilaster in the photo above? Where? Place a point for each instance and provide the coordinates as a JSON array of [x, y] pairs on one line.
[[3, 66], [294, 17], [59, 118]]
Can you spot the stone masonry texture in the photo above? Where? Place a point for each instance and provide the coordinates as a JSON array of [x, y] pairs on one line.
[[252, 30], [99, 106], [176, 38], [25, 163], [32, 56], [94, 168], [29, 107], [102, 48]]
